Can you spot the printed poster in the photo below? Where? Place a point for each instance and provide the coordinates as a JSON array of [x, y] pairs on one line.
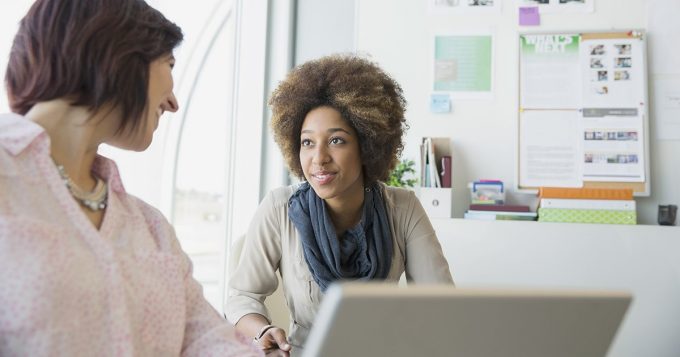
[[559, 6], [549, 64], [437, 7], [463, 65]]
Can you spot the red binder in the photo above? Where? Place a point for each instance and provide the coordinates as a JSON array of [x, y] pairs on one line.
[[446, 171]]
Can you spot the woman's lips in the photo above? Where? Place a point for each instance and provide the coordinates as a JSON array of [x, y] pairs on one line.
[[323, 178]]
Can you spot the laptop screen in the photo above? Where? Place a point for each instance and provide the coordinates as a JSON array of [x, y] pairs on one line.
[[369, 319]]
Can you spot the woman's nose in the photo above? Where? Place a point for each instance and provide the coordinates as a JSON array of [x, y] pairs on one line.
[[170, 104], [321, 155]]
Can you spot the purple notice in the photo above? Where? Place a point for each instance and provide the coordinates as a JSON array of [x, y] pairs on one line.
[[528, 16]]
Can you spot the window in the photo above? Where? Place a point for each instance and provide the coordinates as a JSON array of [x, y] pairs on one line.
[[11, 13], [205, 159], [200, 208]]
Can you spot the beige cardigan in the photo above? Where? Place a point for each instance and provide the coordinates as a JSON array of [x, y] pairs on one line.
[[272, 244]]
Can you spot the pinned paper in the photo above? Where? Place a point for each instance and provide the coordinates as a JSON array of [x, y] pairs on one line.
[[529, 16], [440, 103]]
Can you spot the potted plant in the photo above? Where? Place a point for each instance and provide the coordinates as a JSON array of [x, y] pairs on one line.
[[399, 177]]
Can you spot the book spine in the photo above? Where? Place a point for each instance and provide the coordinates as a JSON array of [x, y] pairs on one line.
[[586, 216], [586, 193], [620, 205]]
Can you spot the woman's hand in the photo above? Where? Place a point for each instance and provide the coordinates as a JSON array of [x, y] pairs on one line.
[[276, 353], [274, 337]]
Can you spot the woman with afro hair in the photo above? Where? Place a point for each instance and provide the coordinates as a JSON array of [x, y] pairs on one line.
[[339, 122]]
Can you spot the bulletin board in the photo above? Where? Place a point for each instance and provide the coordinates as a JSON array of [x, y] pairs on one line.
[[583, 117]]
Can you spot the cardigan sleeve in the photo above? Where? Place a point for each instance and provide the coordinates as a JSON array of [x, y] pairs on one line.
[[254, 277], [425, 261]]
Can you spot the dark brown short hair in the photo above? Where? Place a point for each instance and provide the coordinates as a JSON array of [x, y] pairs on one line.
[[93, 52], [366, 97]]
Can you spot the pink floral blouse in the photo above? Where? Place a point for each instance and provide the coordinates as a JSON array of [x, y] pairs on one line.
[[68, 289]]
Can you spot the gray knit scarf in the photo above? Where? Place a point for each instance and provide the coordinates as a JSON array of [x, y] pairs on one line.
[[364, 252]]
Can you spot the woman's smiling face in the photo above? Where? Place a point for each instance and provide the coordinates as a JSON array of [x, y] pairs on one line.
[[329, 154]]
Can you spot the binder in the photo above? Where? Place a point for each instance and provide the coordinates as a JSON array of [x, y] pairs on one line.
[[446, 171], [619, 205], [586, 216], [434, 175], [586, 193]]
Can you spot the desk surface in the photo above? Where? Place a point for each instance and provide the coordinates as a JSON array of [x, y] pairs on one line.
[[641, 259]]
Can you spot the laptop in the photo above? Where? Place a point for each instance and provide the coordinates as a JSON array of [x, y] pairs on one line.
[[373, 319]]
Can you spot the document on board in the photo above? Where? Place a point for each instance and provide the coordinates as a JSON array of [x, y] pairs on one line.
[[549, 64], [664, 54], [612, 143], [613, 72], [549, 148], [667, 107], [663, 28]]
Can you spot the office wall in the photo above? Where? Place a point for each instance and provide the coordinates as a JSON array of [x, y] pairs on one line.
[[398, 35], [323, 27]]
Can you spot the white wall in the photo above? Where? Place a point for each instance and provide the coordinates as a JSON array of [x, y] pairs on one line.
[[398, 35], [323, 27]]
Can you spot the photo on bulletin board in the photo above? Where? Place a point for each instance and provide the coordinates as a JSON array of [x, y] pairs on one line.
[[454, 7], [559, 6], [462, 65], [583, 118]]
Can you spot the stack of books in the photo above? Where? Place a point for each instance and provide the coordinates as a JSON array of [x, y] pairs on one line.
[[495, 212], [586, 205]]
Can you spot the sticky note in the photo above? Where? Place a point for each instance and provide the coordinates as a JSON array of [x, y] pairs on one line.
[[440, 103], [529, 16]]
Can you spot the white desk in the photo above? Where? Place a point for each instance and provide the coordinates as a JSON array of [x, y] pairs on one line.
[[644, 260]]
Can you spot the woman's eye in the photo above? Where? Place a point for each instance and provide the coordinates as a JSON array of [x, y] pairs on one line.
[[337, 141], [305, 142]]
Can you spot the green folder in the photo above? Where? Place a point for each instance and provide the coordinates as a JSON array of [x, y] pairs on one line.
[[586, 216]]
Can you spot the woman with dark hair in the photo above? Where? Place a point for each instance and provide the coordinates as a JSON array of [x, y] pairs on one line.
[[339, 122], [86, 268]]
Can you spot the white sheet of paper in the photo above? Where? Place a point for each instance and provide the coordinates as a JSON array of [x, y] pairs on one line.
[[613, 72], [663, 28], [448, 7], [667, 106], [550, 148], [549, 64], [612, 143], [560, 6]]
